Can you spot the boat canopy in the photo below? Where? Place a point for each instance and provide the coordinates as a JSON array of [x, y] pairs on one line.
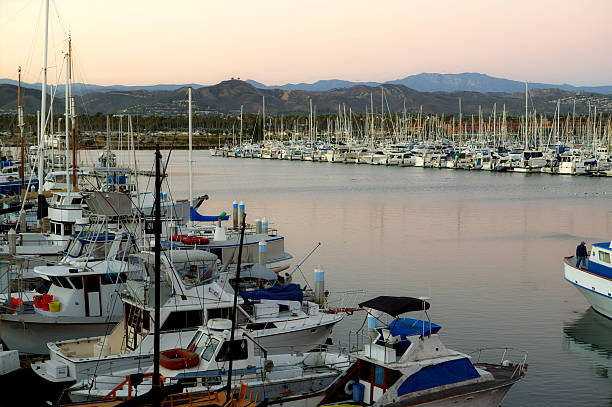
[[405, 327], [196, 217], [289, 292], [395, 306]]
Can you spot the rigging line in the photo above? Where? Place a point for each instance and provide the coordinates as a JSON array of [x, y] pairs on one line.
[[14, 15], [59, 18]]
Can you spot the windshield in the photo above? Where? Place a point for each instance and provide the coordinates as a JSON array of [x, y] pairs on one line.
[[210, 349]]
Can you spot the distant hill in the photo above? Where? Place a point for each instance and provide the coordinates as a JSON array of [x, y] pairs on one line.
[[436, 82], [84, 88], [228, 96], [424, 82]]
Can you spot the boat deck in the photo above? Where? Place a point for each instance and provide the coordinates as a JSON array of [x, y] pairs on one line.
[[504, 376]]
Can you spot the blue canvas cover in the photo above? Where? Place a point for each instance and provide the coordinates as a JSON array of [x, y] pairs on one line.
[[289, 292], [196, 217], [409, 326], [453, 371]]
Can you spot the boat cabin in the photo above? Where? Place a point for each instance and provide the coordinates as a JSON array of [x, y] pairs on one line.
[[404, 359], [600, 259]]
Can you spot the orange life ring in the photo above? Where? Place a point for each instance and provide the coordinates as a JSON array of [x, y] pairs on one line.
[[177, 359], [178, 238], [195, 240]]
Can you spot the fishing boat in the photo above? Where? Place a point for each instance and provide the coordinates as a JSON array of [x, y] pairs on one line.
[[192, 294], [405, 363], [281, 379], [594, 281], [81, 294]]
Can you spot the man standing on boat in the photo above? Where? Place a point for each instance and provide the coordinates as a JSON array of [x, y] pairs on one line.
[[581, 255]]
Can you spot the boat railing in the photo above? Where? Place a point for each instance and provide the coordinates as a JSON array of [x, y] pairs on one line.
[[345, 301], [508, 357]]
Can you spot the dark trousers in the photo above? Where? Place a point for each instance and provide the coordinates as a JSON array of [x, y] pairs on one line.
[[581, 260]]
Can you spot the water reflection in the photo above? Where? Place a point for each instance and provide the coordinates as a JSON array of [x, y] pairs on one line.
[[590, 338]]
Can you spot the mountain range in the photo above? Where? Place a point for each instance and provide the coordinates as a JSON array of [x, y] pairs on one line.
[[424, 82], [229, 96]]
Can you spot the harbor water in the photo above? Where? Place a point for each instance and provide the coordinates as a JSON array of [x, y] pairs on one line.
[[486, 247]]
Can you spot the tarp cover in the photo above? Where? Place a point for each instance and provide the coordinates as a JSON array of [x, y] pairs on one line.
[[408, 327], [196, 217], [395, 306], [453, 371], [289, 292]]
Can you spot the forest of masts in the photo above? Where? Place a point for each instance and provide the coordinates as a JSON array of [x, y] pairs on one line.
[[495, 127]]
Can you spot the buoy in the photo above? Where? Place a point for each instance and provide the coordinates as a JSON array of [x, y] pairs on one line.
[[195, 240], [177, 359]]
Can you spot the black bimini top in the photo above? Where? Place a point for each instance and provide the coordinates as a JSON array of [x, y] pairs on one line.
[[395, 306]]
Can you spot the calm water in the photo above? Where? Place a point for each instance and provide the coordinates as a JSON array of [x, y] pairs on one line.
[[487, 247]]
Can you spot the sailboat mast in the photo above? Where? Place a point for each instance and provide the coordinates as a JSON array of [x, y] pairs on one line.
[[20, 123], [66, 118], [156, 378], [190, 158], [235, 307], [43, 104], [526, 113]]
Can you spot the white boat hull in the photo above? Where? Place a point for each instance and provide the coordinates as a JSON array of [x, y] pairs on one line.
[[31, 334], [596, 289]]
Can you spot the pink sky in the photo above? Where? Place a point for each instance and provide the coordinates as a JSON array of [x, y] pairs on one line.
[[184, 41]]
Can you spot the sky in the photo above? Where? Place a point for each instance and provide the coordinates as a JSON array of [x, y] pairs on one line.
[[138, 42]]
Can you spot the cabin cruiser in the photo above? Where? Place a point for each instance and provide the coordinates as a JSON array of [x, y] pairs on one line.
[[279, 319], [82, 291], [405, 363], [296, 380], [530, 161], [594, 281]]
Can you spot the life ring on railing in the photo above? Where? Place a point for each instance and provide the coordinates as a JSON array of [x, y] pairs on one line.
[[178, 238], [195, 240], [177, 359], [348, 387]]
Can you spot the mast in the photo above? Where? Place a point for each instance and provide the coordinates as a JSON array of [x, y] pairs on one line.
[[43, 107], [241, 106], [66, 115], [20, 124], [526, 113], [235, 307], [190, 223], [263, 102], [156, 381]]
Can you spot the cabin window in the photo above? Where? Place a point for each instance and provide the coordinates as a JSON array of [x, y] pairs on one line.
[[77, 282], [182, 320], [193, 344], [237, 351], [93, 283], [365, 371], [64, 282], [260, 325], [67, 229], [379, 375], [210, 349], [604, 256], [54, 281]]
